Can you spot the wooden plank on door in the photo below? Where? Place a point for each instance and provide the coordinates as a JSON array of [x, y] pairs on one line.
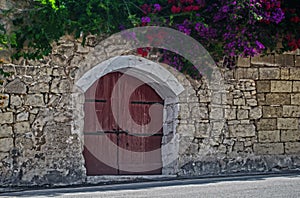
[[100, 154], [139, 155]]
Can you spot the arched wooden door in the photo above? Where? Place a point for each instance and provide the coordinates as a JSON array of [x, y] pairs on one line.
[[118, 136]]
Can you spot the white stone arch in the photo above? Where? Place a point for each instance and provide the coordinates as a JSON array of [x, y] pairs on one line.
[[141, 68], [161, 80]]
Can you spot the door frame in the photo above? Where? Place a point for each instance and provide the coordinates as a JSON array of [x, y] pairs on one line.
[[162, 81]]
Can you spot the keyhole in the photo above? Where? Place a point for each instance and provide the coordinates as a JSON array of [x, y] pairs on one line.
[[127, 144]]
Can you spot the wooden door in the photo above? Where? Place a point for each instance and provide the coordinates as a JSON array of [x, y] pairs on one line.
[[120, 137]]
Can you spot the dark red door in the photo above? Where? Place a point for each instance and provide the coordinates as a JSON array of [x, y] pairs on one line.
[[123, 127]]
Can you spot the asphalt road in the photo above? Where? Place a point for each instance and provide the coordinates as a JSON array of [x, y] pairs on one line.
[[245, 186]]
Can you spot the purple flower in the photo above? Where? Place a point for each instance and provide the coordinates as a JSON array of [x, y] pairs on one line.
[[122, 27], [278, 15], [146, 19], [225, 8], [200, 2], [157, 7], [259, 45], [185, 27]]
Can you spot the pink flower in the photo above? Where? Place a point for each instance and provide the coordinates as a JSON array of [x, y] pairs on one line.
[[175, 9]]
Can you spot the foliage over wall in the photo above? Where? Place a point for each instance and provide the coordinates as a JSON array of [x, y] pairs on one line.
[[224, 27]]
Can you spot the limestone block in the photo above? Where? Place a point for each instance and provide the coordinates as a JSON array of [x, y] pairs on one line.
[[194, 108], [200, 112], [16, 101], [296, 86], [193, 149], [246, 73], [6, 144], [184, 111], [288, 123], [36, 100], [242, 114], [255, 113], [272, 111], [237, 93], [268, 60], [76, 61], [243, 62], [81, 49], [57, 71], [284, 74], [222, 149], [284, 60], [292, 148], [251, 102], [247, 94], [217, 126], [204, 98], [281, 86], [269, 136], [242, 130], [39, 88], [202, 130], [263, 86], [23, 116], [63, 117], [295, 99], [60, 86], [246, 85], [238, 146], [261, 98], [16, 86], [268, 148], [239, 102], [291, 111], [66, 49], [216, 98], [278, 99], [216, 113], [5, 131], [6, 118], [184, 144], [186, 129], [295, 73], [22, 127], [290, 135], [230, 114], [24, 143], [4, 100], [297, 61], [267, 124], [269, 73], [228, 98]]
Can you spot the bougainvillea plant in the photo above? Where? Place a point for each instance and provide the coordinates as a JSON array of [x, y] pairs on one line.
[[223, 27], [230, 27]]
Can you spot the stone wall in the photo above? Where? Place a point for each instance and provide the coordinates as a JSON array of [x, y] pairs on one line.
[[37, 145], [258, 131], [261, 131]]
